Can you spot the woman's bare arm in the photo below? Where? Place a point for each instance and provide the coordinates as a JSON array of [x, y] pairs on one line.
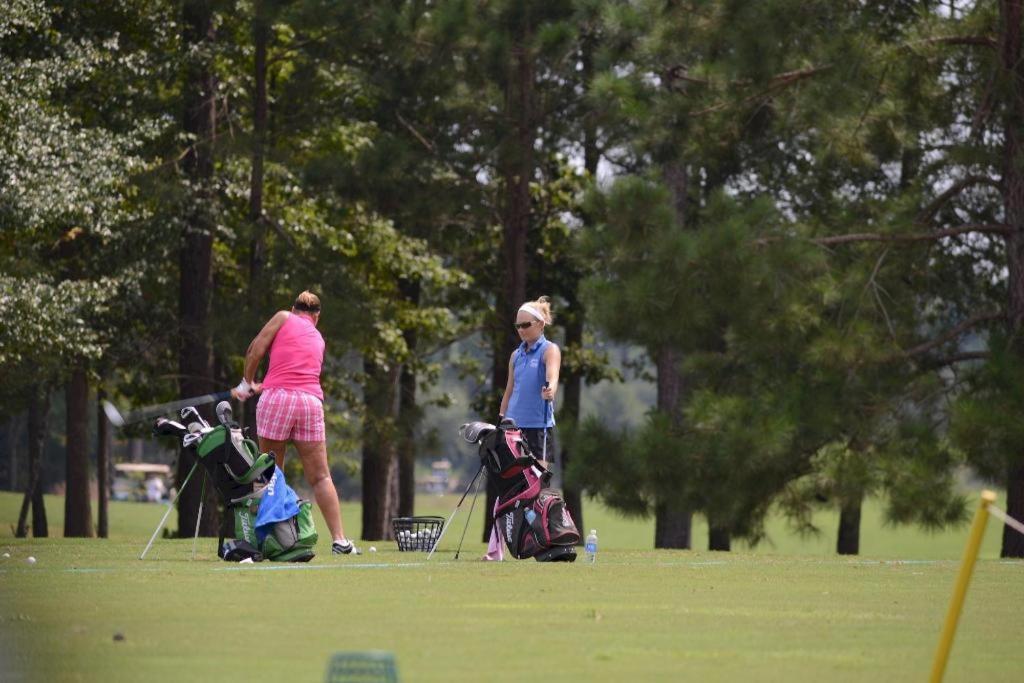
[[508, 386], [552, 366], [261, 344]]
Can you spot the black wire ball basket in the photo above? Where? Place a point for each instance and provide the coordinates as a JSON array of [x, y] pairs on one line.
[[417, 533]]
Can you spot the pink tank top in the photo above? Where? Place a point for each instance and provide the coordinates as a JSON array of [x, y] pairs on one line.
[[296, 357]]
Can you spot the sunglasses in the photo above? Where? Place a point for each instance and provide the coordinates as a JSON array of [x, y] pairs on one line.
[[522, 326]]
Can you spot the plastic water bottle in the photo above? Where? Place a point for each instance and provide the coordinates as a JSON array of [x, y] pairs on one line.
[[591, 546]]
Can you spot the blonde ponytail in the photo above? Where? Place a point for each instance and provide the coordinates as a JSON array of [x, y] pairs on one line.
[[542, 306]]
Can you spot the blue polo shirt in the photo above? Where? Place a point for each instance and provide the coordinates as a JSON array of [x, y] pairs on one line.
[[529, 373]]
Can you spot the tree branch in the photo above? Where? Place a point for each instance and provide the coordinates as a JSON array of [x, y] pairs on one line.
[[679, 73], [952, 333], [409, 127], [982, 41], [928, 212], [788, 77], [958, 358], [983, 228], [776, 83], [293, 48]]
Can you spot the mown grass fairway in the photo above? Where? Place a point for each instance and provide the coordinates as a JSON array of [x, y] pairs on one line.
[[636, 615]]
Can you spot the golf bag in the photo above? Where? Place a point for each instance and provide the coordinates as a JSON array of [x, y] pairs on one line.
[[244, 479], [532, 520]]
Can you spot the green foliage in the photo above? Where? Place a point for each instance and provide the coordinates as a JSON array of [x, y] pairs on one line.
[[611, 467], [748, 133], [64, 202], [740, 146], [49, 321], [984, 421]]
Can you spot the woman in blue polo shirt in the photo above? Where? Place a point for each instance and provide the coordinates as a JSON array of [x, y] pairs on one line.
[[530, 391], [533, 379]]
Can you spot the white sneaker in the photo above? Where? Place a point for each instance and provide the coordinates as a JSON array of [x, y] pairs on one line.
[[345, 547]]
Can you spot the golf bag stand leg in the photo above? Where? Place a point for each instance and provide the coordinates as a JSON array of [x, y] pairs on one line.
[[452, 516], [170, 507], [469, 516], [199, 517]]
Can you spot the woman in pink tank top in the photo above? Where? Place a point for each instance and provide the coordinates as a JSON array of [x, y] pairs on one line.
[[290, 406]]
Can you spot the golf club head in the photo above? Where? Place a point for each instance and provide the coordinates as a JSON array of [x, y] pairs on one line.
[[113, 414], [191, 410], [224, 413], [165, 427]]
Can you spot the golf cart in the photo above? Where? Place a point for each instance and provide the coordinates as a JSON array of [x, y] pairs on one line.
[[141, 481]]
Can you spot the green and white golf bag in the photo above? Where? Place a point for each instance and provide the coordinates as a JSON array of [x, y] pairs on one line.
[[241, 475]]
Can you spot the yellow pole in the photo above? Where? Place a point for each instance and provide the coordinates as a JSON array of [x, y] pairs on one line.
[[960, 589]]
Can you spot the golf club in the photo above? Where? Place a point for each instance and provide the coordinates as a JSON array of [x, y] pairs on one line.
[[547, 412], [120, 420], [191, 410], [199, 517], [452, 516], [170, 507]]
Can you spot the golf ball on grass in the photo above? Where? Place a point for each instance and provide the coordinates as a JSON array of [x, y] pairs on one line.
[[31, 560], [373, 549], [7, 555]]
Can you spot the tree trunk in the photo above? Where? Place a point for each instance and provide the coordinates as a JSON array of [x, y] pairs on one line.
[[393, 492], [77, 505], [848, 540], [719, 538], [574, 320], [195, 361], [677, 180], [40, 526], [38, 411], [517, 166], [408, 412], [38, 431], [572, 390], [15, 430], [673, 522], [257, 257], [1013, 204], [135, 450], [517, 169], [672, 526], [1013, 541], [102, 466], [257, 243], [380, 453], [408, 415]]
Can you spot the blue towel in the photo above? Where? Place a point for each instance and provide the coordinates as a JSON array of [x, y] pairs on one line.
[[279, 503]]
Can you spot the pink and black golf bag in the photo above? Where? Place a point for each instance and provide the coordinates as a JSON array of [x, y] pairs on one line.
[[532, 520]]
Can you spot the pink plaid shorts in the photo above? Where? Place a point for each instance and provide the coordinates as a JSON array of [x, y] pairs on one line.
[[288, 415]]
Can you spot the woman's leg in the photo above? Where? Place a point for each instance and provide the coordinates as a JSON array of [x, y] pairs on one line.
[[275, 447], [543, 451], [313, 455], [274, 422]]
